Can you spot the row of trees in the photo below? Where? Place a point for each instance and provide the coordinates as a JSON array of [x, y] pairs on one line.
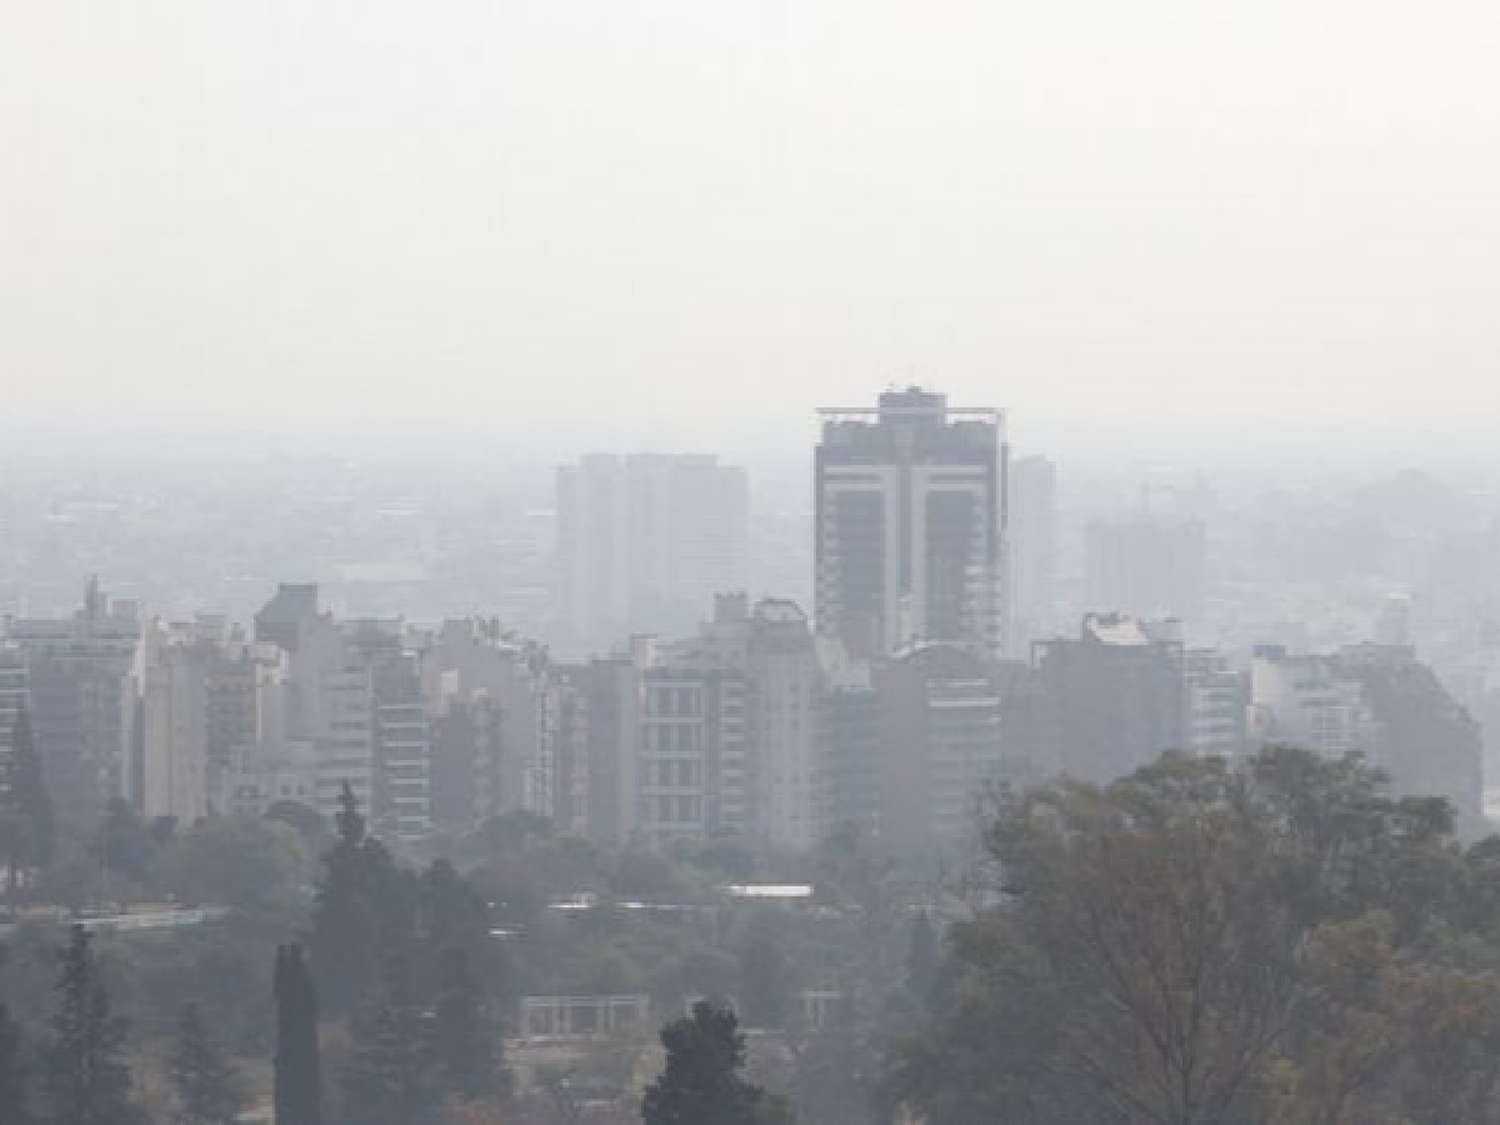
[[393, 963], [79, 1074], [1208, 944]]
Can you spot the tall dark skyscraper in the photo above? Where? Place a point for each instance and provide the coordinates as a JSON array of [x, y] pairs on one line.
[[911, 511]]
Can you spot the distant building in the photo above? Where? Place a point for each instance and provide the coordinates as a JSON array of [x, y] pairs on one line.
[[475, 659], [467, 756], [1380, 701], [1032, 570], [848, 791], [1115, 696], [1216, 702], [402, 803], [85, 684], [1308, 701], [328, 713], [694, 746], [644, 542], [771, 645], [910, 525], [14, 700], [1149, 568], [941, 744], [611, 695], [912, 747], [174, 739]]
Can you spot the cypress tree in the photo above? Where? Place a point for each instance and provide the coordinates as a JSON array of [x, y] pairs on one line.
[[87, 1080], [765, 980], [388, 1081], [701, 1084], [344, 930], [207, 1088], [299, 1076], [465, 1051]]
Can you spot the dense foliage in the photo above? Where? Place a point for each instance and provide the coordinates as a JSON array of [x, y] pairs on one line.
[[1199, 943], [1279, 941]]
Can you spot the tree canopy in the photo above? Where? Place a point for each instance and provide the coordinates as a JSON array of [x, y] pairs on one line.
[[1200, 943]]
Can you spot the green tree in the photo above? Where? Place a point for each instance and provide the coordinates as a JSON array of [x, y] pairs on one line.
[[765, 984], [389, 1080], [204, 1082], [305, 820], [1142, 971], [87, 1080], [299, 1074], [365, 907], [252, 863], [465, 1049], [701, 1084], [122, 851], [1391, 1038], [1278, 941]]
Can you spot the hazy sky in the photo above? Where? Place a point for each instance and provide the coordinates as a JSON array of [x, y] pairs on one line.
[[689, 222]]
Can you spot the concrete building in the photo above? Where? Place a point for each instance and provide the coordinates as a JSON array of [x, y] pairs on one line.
[[1427, 742], [610, 691], [14, 701], [174, 741], [329, 708], [467, 763], [1379, 701], [241, 689], [1149, 568], [85, 684], [1115, 696], [847, 793], [467, 659], [692, 776], [1216, 703], [1308, 701], [1031, 585], [772, 649], [941, 744], [910, 525], [402, 804], [644, 542]]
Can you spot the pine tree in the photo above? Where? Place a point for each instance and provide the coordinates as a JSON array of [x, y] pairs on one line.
[[366, 906], [765, 980], [452, 914], [701, 1084], [207, 1088], [465, 1051], [389, 1081], [343, 922], [299, 1076], [87, 1080]]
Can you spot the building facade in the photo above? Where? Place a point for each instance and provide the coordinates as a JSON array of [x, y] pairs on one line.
[[910, 525], [644, 542], [85, 676]]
